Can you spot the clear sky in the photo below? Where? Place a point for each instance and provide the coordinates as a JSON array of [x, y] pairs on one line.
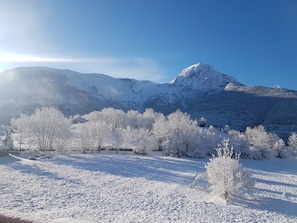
[[255, 41]]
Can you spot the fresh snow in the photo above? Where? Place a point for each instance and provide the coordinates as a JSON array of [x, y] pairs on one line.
[[123, 187], [203, 77]]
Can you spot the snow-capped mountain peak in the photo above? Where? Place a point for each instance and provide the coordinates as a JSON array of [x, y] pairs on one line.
[[198, 68], [204, 77]]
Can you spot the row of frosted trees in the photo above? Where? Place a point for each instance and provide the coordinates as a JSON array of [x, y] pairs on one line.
[[176, 134]]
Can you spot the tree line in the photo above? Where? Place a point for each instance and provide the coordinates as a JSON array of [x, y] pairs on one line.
[[175, 135]]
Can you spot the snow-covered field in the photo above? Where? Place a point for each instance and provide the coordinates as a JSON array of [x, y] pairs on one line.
[[123, 187]]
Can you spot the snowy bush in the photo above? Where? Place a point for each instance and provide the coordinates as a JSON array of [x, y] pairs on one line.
[[263, 144], [226, 175], [278, 146], [292, 142], [202, 122]]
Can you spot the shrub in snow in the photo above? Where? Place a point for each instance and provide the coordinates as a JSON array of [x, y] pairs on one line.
[[226, 175], [202, 122], [278, 147], [292, 142]]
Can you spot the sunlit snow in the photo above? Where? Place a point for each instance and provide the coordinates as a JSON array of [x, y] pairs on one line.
[[122, 187]]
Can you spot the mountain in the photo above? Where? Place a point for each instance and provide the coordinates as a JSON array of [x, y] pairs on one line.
[[203, 77], [200, 90]]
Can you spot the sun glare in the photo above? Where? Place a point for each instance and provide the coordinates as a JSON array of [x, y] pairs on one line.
[[10, 58]]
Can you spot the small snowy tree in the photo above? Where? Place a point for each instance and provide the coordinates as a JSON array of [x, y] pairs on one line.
[[278, 146], [292, 142], [7, 141], [202, 121], [226, 175], [21, 128]]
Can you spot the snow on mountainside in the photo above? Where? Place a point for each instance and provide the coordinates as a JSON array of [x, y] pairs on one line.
[[203, 77], [199, 90], [24, 89]]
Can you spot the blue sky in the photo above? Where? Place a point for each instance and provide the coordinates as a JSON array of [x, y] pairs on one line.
[[255, 41]]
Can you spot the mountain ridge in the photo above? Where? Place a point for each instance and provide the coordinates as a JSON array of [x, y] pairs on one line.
[[200, 90]]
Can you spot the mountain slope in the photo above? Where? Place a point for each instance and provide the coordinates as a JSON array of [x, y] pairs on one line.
[[24, 89], [199, 90]]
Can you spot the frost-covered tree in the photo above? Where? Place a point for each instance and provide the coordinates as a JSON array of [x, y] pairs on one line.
[[116, 117], [92, 134], [21, 128], [263, 144], [48, 128], [202, 122], [278, 145], [292, 142], [148, 118], [100, 130], [8, 141], [51, 127], [126, 136], [117, 138], [86, 136], [259, 140], [226, 175], [134, 119], [239, 142], [94, 116], [175, 133], [144, 141], [209, 138]]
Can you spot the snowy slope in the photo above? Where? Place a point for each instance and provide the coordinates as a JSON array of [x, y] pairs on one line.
[[24, 89], [129, 188]]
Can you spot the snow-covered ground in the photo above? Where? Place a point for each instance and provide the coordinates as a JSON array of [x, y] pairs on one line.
[[123, 187]]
